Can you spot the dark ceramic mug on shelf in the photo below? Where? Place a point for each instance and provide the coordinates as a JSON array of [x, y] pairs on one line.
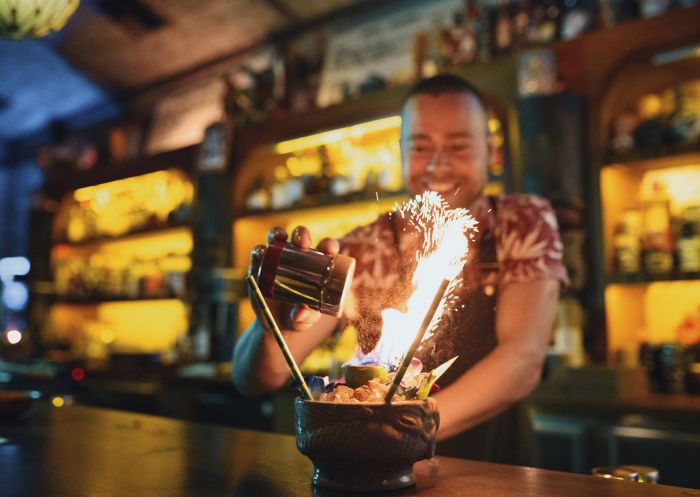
[[671, 367], [365, 447]]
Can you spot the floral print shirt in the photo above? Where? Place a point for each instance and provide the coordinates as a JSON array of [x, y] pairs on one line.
[[528, 248]]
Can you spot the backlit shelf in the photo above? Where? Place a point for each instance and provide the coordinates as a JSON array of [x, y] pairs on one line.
[[105, 300], [641, 279], [660, 162], [137, 233], [331, 202]]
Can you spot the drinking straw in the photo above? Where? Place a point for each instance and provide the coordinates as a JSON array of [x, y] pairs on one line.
[[417, 340], [260, 300]]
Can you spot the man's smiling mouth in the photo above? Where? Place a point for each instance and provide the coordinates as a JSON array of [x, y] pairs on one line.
[[444, 189]]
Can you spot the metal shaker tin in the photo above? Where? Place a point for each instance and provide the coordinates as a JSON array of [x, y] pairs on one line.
[[309, 277]]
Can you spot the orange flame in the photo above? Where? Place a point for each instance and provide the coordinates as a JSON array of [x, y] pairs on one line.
[[445, 234]]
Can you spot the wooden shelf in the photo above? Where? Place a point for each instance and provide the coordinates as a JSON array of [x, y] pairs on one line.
[[105, 300], [184, 159], [661, 162], [497, 77], [642, 279], [132, 235], [334, 202]]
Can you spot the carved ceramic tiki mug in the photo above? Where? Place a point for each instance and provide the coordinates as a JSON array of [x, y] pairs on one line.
[[366, 446]]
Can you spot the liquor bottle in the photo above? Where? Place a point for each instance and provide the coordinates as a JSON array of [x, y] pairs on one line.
[[657, 238], [258, 197], [502, 28], [462, 37], [481, 28], [689, 241], [522, 19], [626, 244], [318, 188]]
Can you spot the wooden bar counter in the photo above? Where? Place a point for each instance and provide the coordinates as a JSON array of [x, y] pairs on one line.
[[77, 451]]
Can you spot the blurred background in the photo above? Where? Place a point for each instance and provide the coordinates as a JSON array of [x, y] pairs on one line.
[[147, 145]]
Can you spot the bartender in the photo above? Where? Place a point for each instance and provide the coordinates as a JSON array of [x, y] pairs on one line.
[[503, 323]]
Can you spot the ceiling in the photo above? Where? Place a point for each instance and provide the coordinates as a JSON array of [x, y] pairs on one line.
[[116, 47]]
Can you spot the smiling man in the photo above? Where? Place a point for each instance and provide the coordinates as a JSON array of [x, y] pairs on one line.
[[502, 323], [444, 141]]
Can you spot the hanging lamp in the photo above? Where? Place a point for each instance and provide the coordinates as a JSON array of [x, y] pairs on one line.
[[34, 18]]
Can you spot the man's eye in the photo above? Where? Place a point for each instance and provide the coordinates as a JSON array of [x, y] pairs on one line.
[[460, 147], [420, 149]]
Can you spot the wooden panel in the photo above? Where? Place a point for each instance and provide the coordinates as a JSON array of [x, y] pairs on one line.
[[72, 451], [195, 32]]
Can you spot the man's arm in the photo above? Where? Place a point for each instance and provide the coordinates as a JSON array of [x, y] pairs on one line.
[[524, 324], [258, 366]]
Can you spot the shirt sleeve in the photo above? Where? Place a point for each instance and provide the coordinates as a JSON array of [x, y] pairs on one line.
[[528, 243]]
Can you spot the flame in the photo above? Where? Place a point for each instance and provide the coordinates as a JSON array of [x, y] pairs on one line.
[[445, 236]]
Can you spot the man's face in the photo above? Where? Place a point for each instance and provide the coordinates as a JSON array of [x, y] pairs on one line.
[[444, 146]]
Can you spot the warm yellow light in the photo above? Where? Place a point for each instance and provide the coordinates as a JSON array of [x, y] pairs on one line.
[[118, 207], [494, 125], [144, 181], [435, 263], [327, 137], [57, 401], [34, 19], [330, 221], [136, 326], [681, 183], [107, 336], [142, 246], [650, 106], [649, 313]]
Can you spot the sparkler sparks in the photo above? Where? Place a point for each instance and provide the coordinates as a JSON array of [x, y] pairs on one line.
[[443, 236]]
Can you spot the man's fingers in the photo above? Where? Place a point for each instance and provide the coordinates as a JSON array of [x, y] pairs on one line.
[[302, 317], [329, 246], [277, 233], [301, 237]]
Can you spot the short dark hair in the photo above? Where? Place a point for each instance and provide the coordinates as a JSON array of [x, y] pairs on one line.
[[444, 83]]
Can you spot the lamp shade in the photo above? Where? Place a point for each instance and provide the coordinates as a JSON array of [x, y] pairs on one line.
[[34, 18]]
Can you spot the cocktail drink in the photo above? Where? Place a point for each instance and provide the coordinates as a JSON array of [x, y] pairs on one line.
[[366, 446]]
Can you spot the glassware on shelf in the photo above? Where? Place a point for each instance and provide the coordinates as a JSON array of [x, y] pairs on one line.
[[661, 123], [657, 235], [626, 243], [317, 169], [144, 267], [119, 207], [688, 244]]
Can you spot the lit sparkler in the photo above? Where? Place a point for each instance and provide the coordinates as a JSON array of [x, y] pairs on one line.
[[445, 233]]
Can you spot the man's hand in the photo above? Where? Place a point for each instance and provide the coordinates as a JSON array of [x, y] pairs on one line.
[[290, 317], [258, 365]]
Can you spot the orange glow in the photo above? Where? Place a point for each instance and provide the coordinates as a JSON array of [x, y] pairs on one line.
[[650, 313], [119, 207], [142, 246], [625, 316], [682, 185], [441, 257], [150, 326], [365, 156], [647, 312], [624, 186], [331, 221], [336, 135]]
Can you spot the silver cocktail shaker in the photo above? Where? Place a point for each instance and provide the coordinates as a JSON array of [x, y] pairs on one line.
[[309, 277]]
